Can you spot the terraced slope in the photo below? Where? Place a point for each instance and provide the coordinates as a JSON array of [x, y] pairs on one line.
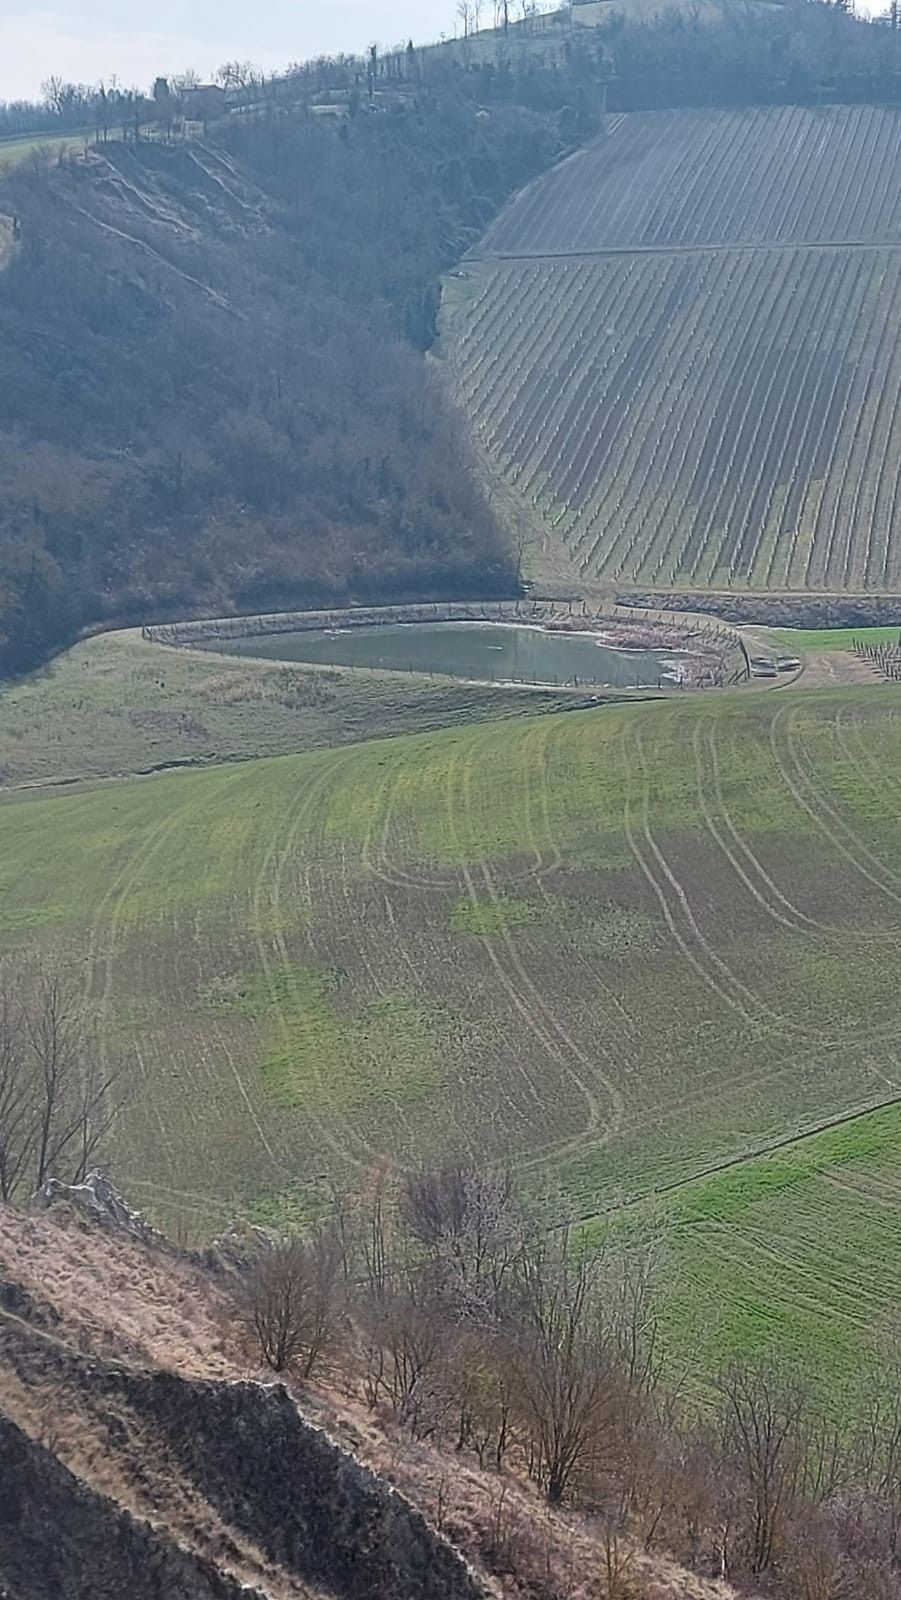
[[682, 352], [648, 953]]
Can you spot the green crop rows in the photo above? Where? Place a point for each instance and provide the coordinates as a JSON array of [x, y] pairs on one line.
[[647, 954]]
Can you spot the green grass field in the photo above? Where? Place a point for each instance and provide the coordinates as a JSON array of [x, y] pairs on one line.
[[647, 954], [14, 151], [816, 639], [116, 705]]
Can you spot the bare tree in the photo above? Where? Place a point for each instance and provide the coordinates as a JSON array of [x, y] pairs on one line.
[[464, 1223], [18, 1099], [55, 91], [876, 1445], [58, 1099], [417, 1339], [289, 1303], [764, 1416], [185, 82], [814, 1563], [564, 1363], [239, 75]]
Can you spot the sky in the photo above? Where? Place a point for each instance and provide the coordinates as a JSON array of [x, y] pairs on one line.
[[86, 40]]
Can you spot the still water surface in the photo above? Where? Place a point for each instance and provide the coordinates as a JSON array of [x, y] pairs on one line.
[[501, 652]]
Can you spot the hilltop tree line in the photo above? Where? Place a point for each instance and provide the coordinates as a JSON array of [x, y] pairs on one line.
[[212, 387], [473, 1320], [800, 50]]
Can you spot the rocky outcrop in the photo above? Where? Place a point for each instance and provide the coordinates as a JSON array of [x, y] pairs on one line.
[[313, 1509], [61, 1541], [225, 1469], [98, 1198]]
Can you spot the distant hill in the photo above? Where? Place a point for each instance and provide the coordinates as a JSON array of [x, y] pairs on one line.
[[680, 349], [213, 395]]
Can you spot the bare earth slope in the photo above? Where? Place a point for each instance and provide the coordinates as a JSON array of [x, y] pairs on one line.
[[167, 1475], [162, 1483], [679, 352]]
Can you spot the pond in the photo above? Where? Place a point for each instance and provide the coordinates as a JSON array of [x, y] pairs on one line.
[[494, 652]]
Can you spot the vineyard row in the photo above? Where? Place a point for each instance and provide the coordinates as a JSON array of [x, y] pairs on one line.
[[711, 418], [783, 174]]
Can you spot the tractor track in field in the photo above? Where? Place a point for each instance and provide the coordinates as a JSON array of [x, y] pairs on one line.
[[717, 1241], [207, 1202], [353, 1149], [550, 1037], [257, 925], [279, 851], [869, 1196], [860, 762], [796, 920], [545, 1027], [852, 848], [652, 882], [519, 1004], [552, 1022], [793, 922], [803, 920], [575, 957], [117, 895], [380, 864], [378, 986], [731, 989], [773, 1022], [97, 1004]]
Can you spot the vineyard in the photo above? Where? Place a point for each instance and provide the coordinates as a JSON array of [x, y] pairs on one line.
[[673, 179], [647, 956], [681, 351]]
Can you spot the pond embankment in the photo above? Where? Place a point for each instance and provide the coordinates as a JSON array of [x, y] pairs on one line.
[[544, 642]]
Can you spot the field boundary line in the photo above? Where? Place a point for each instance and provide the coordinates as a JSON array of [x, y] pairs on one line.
[[757, 1154], [738, 246]]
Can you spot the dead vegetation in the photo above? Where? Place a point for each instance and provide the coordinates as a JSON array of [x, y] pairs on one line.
[[473, 1333], [136, 1305], [58, 1095], [506, 1384]]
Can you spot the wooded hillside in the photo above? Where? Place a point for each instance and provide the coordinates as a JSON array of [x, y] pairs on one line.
[[212, 392]]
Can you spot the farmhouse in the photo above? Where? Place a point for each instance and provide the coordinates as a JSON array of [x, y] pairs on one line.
[[205, 101]]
